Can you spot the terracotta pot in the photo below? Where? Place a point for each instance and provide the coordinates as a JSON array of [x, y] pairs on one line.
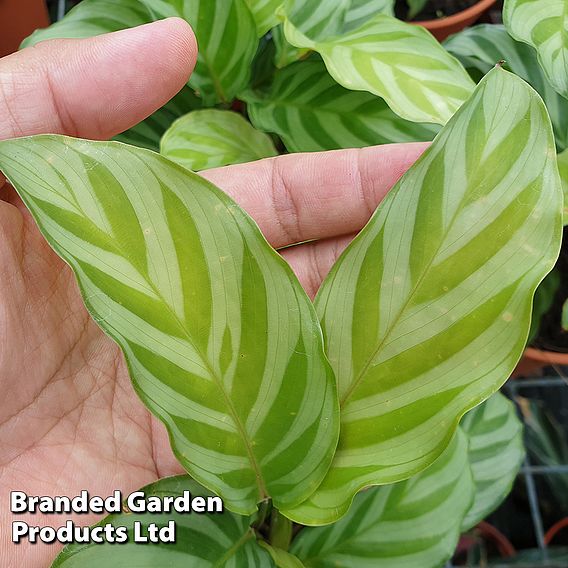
[[554, 530], [444, 27], [19, 19], [534, 360]]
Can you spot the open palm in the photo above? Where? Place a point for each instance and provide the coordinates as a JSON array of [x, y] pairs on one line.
[[69, 418]]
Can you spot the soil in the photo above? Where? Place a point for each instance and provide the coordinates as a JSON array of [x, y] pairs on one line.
[[551, 336], [434, 9]]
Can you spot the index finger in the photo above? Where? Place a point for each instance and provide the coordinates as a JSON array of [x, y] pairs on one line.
[[300, 197]]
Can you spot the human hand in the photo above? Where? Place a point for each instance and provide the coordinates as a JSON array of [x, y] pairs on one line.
[[69, 418]]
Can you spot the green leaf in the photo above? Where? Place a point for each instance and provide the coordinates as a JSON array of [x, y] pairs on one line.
[[286, 53], [564, 317], [311, 112], [481, 47], [415, 7], [399, 62], [323, 19], [542, 24], [222, 343], [563, 169], [412, 524], [225, 31], [265, 13], [211, 138], [496, 451], [147, 134], [543, 300], [281, 558], [204, 540], [427, 311]]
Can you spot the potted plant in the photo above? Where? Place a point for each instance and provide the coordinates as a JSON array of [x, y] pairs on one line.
[[442, 17], [334, 431]]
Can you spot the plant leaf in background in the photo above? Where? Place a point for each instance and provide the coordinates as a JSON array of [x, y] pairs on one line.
[[481, 47], [211, 138], [412, 524], [265, 13], [415, 7], [542, 24], [323, 19], [286, 53], [222, 343], [147, 134], [426, 313], [311, 112], [563, 170], [212, 540], [543, 300], [496, 451], [381, 57], [281, 558]]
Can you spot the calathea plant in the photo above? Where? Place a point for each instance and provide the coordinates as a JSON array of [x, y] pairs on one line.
[[342, 416]]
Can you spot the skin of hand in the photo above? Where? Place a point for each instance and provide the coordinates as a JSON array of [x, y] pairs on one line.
[[69, 418]]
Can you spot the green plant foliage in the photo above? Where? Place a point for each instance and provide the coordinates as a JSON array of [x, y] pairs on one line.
[[543, 299], [222, 343], [427, 311], [226, 33], [542, 24], [286, 53], [265, 13], [381, 57], [481, 47], [563, 170], [311, 112], [147, 134], [281, 558], [496, 452], [415, 7], [323, 19], [208, 541], [211, 138], [412, 524]]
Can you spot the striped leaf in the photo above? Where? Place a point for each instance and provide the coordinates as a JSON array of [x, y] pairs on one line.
[[412, 524], [543, 24], [399, 62], [225, 31], [481, 47], [265, 13], [311, 112], [496, 451], [222, 343], [322, 19], [427, 311], [286, 53], [563, 169], [216, 540], [147, 134], [211, 138]]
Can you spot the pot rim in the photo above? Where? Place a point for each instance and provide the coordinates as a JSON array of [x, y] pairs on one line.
[[454, 19], [549, 357]]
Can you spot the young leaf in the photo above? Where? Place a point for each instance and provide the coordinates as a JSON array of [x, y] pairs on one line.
[[542, 24], [481, 47], [265, 13], [147, 134], [286, 53], [311, 112], [281, 558], [213, 540], [415, 523], [399, 62], [415, 7], [496, 451], [211, 138], [427, 311], [563, 169], [222, 343], [323, 19], [225, 31]]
